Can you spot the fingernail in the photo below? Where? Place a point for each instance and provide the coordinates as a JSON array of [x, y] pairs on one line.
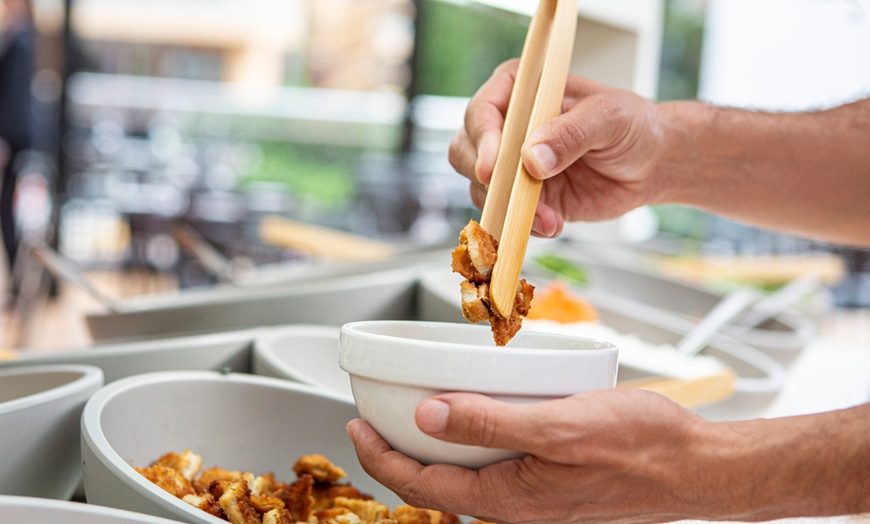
[[536, 225], [432, 416], [544, 158]]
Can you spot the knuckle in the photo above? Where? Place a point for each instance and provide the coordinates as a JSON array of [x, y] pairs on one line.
[[572, 136], [482, 428], [454, 150], [415, 493], [576, 132], [413, 496]]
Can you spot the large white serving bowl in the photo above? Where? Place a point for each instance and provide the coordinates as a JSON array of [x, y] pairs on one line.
[[214, 351], [33, 510], [304, 353], [394, 365], [40, 407], [235, 421], [381, 295]]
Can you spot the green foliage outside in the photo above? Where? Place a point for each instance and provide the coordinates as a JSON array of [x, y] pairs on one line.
[[569, 270], [681, 49], [459, 45], [306, 175]]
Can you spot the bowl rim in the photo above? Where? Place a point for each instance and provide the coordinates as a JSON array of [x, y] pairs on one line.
[[81, 509], [266, 348], [479, 368], [95, 439], [89, 377], [441, 347]]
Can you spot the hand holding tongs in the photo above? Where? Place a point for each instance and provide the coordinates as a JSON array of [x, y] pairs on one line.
[[509, 209]]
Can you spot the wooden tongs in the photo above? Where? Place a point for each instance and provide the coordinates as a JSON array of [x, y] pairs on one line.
[[512, 197]]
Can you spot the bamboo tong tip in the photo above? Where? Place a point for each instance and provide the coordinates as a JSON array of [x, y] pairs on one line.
[[513, 194]]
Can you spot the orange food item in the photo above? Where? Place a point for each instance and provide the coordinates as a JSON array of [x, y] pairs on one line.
[[558, 304]]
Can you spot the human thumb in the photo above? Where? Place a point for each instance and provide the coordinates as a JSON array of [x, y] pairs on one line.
[[473, 419], [559, 142]]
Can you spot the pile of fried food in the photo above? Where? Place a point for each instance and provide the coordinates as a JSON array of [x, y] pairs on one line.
[[474, 259], [316, 497]]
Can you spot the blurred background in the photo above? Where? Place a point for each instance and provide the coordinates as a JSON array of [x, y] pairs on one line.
[[164, 145]]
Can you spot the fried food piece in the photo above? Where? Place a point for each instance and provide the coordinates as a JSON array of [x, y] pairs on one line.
[[207, 503], [243, 498], [278, 516], [297, 497], [234, 498], [265, 503], [337, 516], [410, 515], [187, 463], [167, 479], [208, 476], [476, 254], [474, 259], [319, 467], [325, 494], [475, 301], [262, 484], [369, 511], [504, 329]]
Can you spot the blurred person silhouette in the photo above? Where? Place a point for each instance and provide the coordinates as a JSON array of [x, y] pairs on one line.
[[17, 58]]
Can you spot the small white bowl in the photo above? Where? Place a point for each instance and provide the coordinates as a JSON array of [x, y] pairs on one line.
[[393, 365], [32, 510], [235, 421], [304, 353], [40, 408]]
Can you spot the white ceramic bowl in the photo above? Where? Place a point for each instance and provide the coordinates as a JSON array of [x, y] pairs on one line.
[[40, 408], [235, 421], [304, 353], [215, 351], [380, 295], [32, 510], [393, 365]]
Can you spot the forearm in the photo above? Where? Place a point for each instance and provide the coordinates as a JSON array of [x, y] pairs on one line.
[[804, 173], [815, 465]]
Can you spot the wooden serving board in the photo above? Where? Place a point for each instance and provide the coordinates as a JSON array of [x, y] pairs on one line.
[[322, 242], [690, 393]]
